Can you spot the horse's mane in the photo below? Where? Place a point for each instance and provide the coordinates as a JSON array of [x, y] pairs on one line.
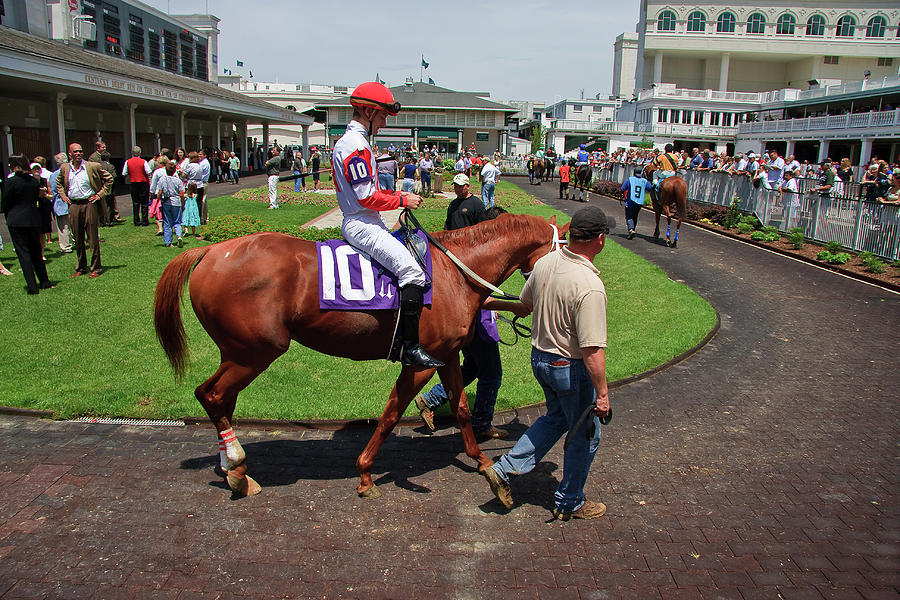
[[504, 226]]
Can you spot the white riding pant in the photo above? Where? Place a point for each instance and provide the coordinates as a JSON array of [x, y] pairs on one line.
[[659, 175], [375, 240], [273, 191]]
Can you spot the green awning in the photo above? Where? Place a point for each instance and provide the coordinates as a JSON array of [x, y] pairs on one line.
[[443, 134]]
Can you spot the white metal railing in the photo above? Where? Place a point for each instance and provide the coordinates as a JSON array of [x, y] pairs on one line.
[[856, 224], [885, 118], [593, 126], [664, 91]]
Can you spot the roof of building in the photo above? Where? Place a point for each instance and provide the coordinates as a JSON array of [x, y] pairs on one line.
[[69, 54], [425, 95]]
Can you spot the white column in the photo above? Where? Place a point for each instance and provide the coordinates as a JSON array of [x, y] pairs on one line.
[[245, 155], [657, 67], [265, 140], [199, 141], [789, 150], [459, 146], [304, 139], [58, 118], [179, 129], [865, 152], [130, 135], [158, 143], [415, 137], [723, 72], [823, 150], [217, 141], [6, 149]]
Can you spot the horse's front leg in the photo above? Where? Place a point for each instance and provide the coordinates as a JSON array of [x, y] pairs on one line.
[[451, 377], [406, 387]]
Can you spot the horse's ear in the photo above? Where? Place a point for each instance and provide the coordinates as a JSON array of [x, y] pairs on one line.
[[553, 220], [564, 229]]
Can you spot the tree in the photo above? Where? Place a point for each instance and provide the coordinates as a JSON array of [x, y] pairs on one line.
[[537, 138], [645, 142]]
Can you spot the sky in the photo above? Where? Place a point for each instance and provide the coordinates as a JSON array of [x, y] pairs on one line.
[[526, 50]]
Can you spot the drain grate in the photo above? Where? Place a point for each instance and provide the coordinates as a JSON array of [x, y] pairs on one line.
[[141, 422]]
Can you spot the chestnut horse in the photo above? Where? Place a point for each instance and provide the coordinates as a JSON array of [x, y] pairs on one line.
[[255, 294], [672, 192]]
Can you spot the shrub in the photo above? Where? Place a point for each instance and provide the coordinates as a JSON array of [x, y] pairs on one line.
[[751, 220], [796, 238], [865, 255], [449, 164], [226, 227], [833, 258], [745, 227], [764, 236], [733, 216], [833, 247], [873, 264]]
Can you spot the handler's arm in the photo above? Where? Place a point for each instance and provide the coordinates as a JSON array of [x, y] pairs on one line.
[[595, 361], [517, 308]]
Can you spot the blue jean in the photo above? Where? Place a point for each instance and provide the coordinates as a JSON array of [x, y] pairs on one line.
[[632, 210], [569, 391], [409, 185], [481, 360], [299, 184], [426, 182], [171, 220], [386, 181], [487, 194], [234, 175]]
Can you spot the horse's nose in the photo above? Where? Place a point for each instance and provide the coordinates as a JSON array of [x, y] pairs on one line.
[[525, 274]]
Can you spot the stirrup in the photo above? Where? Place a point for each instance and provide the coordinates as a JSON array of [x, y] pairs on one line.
[[416, 356]]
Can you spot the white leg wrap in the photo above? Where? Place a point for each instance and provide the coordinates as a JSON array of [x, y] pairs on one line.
[[230, 451]]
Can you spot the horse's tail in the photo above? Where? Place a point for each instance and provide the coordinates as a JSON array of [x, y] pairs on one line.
[[167, 307], [679, 192]]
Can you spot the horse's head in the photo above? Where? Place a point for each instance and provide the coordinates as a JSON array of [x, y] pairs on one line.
[[557, 237]]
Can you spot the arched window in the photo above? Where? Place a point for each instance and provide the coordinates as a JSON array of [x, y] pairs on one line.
[[725, 23], [786, 24], [696, 21], [877, 27], [846, 26], [291, 108], [665, 21], [756, 23], [815, 25]]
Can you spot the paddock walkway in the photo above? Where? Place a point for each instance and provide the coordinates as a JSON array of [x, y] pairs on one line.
[[765, 466]]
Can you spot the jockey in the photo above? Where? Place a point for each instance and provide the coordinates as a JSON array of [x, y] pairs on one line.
[[663, 166], [583, 155], [539, 153], [360, 199]]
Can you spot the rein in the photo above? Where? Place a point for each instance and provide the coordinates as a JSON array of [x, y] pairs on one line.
[[406, 217]]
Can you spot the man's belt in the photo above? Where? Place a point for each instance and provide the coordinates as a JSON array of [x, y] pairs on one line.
[[80, 200]]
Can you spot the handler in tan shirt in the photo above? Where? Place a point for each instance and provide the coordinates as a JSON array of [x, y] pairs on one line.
[[80, 184], [568, 358]]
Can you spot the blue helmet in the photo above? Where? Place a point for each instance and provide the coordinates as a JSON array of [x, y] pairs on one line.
[[582, 146]]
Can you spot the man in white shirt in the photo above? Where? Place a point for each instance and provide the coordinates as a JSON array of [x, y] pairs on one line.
[[490, 174], [776, 170], [205, 169]]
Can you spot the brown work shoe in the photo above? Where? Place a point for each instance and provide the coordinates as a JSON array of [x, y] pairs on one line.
[[499, 486], [494, 433], [588, 510], [425, 412]]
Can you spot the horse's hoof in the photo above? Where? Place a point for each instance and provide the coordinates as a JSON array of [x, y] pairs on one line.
[[372, 493], [245, 486], [668, 243], [674, 244]]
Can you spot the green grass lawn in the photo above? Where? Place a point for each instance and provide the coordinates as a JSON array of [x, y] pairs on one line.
[[88, 347]]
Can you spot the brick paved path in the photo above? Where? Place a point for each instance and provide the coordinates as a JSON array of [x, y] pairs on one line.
[[765, 466]]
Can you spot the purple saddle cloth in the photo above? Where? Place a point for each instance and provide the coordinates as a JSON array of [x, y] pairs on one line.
[[351, 280]]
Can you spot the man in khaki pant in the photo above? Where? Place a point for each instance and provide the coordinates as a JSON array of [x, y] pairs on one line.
[[80, 184]]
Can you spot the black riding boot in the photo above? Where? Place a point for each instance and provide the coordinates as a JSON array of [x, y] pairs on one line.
[[411, 300]]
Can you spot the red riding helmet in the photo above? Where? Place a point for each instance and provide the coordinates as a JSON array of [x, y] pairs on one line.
[[374, 94]]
